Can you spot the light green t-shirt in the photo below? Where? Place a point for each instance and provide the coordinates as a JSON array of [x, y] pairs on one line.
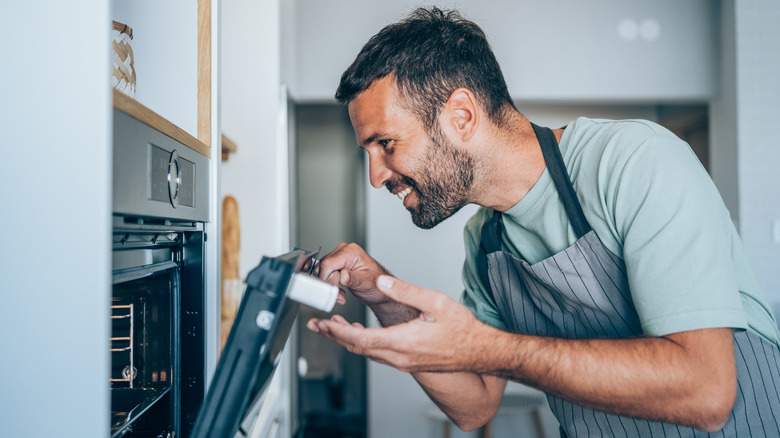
[[651, 203]]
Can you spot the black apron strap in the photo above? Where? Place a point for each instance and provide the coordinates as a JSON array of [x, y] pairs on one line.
[[490, 242], [560, 177]]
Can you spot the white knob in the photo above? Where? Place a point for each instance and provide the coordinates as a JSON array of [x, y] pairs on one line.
[[303, 366]]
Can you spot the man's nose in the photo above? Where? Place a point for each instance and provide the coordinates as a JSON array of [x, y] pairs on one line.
[[378, 172]]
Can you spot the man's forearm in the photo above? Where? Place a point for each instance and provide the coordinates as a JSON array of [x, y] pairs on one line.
[[470, 400], [682, 378]]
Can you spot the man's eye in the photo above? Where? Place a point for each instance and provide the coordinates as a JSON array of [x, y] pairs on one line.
[[384, 143]]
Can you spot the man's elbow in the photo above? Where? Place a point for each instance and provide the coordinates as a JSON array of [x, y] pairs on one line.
[[713, 421], [470, 424], [474, 421], [714, 408]]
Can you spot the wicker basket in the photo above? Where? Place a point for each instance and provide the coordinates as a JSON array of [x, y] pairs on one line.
[[123, 70]]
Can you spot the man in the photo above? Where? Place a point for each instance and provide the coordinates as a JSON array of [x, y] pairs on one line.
[[602, 268]]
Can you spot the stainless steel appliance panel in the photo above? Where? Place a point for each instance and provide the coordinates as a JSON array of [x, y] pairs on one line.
[[156, 176]]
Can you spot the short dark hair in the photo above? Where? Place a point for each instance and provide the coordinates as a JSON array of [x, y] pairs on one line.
[[432, 52]]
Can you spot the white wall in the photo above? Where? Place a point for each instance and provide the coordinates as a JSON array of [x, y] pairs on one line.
[[55, 218], [250, 116]]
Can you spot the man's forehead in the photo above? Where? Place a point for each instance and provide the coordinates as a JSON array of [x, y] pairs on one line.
[[370, 110], [381, 91]]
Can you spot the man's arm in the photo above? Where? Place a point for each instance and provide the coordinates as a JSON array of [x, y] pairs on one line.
[[687, 378]]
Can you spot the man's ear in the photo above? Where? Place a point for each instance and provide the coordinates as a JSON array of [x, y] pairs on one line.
[[462, 114]]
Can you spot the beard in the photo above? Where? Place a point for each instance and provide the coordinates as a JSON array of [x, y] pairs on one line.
[[443, 183]]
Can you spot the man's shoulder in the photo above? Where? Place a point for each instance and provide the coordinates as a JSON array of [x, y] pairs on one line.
[[612, 142], [609, 127]]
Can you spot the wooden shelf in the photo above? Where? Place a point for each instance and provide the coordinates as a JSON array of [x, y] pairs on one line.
[[134, 109], [228, 147]]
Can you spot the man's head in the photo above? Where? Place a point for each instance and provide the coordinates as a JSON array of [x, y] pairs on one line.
[[406, 76], [432, 176], [433, 65], [431, 53]]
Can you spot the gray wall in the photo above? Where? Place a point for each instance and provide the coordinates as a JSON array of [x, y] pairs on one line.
[[330, 205], [595, 50]]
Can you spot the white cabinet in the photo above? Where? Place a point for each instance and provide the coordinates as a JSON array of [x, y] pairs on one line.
[[55, 208], [565, 50]]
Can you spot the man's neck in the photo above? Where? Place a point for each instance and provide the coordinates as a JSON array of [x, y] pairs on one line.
[[511, 162]]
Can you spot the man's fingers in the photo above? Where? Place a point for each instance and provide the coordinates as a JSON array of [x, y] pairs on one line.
[[358, 280], [356, 339], [339, 318], [330, 265], [374, 343]]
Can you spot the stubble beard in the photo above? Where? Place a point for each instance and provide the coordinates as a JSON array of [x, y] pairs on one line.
[[443, 182]]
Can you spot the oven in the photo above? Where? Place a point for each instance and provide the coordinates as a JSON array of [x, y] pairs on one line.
[[157, 345]]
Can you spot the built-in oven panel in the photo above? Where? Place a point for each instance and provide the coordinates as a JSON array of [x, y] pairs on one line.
[[159, 177]]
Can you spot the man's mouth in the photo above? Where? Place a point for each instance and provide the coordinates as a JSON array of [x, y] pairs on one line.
[[402, 194]]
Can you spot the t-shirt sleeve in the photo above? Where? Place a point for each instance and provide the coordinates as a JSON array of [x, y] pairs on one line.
[[476, 297], [671, 219]]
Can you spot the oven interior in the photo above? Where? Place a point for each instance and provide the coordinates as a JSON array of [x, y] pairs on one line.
[[156, 322]]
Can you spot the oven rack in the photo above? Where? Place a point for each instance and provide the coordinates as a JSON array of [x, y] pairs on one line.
[[121, 313]]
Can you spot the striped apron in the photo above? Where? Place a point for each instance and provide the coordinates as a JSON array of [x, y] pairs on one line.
[[582, 292]]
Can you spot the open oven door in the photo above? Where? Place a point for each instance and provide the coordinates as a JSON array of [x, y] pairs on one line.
[[274, 292]]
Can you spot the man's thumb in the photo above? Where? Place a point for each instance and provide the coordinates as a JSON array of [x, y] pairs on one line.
[[401, 291]]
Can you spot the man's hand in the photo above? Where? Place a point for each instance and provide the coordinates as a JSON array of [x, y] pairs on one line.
[[444, 337], [350, 266]]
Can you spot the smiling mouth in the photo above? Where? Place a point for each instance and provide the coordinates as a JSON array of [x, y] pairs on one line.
[[402, 194]]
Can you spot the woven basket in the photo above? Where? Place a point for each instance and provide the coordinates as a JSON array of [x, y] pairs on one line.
[[123, 70]]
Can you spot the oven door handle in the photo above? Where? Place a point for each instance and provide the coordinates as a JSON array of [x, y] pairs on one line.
[[134, 273]]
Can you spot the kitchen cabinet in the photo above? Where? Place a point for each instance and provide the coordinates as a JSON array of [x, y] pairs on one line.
[[175, 49], [567, 51]]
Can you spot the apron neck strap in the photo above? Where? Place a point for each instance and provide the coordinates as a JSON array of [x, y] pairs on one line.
[[560, 177]]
